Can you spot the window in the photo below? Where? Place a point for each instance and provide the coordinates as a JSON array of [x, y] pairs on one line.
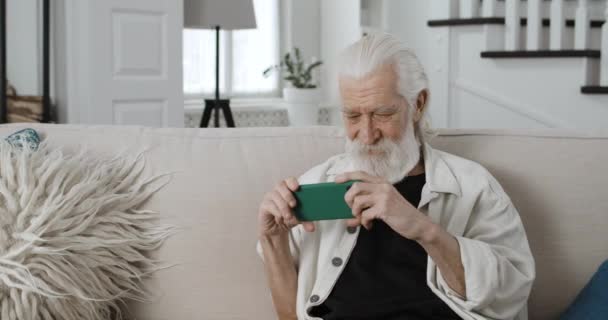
[[244, 55]]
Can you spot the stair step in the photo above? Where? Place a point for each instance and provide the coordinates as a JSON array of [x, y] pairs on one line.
[[465, 22], [594, 89], [542, 54], [500, 20]]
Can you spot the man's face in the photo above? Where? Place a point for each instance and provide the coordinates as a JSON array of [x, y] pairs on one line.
[[372, 107], [381, 138]]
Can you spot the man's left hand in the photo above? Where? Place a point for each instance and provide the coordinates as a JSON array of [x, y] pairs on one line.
[[375, 198]]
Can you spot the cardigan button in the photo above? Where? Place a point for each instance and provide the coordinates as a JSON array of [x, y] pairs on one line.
[[336, 262], [351, 230], [314, 298]]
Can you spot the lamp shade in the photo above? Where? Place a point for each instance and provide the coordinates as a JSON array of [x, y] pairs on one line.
[[227, 14]]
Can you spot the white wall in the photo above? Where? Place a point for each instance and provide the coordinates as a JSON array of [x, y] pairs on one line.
[[407, 20], [24, 46], [303, 27], [340, 27]]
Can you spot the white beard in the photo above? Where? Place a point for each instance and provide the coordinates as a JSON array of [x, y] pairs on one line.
[[390, 160]]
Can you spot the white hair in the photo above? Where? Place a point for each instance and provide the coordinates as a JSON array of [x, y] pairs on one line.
[[375, 50]]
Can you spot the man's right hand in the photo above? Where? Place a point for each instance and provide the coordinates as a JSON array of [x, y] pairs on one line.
[[275, 216]]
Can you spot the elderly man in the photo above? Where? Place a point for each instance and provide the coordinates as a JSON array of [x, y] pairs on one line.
[[433, 236]]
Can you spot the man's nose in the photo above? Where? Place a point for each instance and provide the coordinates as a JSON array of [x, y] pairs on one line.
[[368, 132]]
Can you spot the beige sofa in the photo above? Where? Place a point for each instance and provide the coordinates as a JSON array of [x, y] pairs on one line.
[[557, 180]]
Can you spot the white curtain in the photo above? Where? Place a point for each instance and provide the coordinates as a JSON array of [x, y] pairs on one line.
[[244, 54]]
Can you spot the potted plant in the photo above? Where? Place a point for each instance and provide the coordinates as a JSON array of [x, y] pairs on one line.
[[303, 97]]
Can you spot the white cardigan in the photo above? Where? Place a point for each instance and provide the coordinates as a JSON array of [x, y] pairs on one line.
[[462, 197]]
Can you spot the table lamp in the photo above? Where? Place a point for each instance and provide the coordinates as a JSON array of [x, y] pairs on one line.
[[218, 14]]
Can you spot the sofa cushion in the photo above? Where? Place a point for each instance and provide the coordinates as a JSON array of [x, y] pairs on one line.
[[73, 242]]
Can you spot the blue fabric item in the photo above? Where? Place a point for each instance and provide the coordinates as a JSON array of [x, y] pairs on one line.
[[592, 302], [28, 136]]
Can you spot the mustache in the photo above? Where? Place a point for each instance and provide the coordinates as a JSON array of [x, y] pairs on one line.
[[385, 145]]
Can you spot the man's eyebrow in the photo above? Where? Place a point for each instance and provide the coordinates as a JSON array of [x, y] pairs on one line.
[[383, 109], [387, 109], [348, 110]]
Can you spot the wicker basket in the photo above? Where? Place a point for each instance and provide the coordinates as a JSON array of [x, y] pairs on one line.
[[23, 108]]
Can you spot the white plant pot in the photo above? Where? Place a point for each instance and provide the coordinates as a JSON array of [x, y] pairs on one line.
[[302, 106]]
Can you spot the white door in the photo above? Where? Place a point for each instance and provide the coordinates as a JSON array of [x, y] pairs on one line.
[[124, 62]]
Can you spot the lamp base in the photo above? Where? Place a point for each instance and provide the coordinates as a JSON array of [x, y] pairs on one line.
[[224, 106]]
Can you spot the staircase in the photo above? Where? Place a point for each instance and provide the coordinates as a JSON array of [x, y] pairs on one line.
[[531, 58]]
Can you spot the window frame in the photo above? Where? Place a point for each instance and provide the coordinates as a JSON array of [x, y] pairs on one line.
[[267, 98]]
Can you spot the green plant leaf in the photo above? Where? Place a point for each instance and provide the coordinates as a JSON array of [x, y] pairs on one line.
[[299, 64], [294, 81], [307, 75], [289, 64], [270, 69], [313, 65], [297, 52], [294, 69]]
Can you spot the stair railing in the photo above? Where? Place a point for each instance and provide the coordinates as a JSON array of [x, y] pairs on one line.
[[604, 51], [534, 26], [488, 9], [557, 34], [581, 26], [512, 25], [469, 9]]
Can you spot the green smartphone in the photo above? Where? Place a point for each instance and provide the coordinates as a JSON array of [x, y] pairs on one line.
[[322, 201]]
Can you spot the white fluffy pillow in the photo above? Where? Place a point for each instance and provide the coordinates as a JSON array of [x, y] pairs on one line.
[[74, 241]]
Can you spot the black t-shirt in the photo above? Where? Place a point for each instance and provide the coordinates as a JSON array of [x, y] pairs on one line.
[[385, 276]]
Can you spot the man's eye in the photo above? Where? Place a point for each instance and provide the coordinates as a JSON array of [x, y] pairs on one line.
[[353, 116]]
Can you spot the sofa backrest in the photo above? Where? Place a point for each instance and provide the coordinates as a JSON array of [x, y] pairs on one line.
[[557, 180]]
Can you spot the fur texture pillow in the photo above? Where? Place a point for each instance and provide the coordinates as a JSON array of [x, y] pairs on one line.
[[74, 241]]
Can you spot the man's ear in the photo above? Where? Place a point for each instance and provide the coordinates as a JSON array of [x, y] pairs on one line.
[[421, 102]]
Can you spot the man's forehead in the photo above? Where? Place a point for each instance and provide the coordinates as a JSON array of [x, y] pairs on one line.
[[368, 105], [369, 94]]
